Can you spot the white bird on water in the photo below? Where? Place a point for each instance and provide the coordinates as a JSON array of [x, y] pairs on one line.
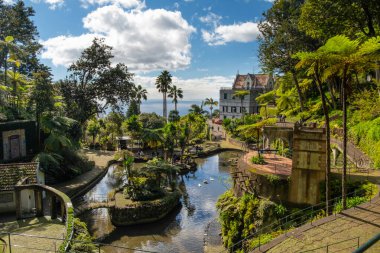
[[211, 179], [199, 185]]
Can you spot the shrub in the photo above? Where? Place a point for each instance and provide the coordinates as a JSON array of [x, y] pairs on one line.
[[258, 160], [82, 240]]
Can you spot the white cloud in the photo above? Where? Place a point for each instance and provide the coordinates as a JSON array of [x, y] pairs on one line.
[[222, 34], [128, 4], [9, 2], [144, 40], [211, 19], [53, 4], [193, 89], [63, 50]]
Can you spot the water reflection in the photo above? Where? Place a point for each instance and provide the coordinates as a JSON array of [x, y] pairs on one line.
[[180, 231]]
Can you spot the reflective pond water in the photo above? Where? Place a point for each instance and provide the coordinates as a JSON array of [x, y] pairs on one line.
[[180, 231]]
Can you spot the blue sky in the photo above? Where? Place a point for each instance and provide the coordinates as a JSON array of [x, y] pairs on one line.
[[203, 43]]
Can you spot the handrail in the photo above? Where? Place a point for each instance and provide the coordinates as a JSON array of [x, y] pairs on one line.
[[335, 243], [368, 244], [278, 224], [98, 244]]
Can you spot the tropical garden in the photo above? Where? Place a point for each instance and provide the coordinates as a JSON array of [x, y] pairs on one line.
[[326, 56]]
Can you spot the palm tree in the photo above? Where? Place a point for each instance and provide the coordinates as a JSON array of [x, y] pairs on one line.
[[241, 94], [314, 63], [196, 109], [345, 57], [163, 83], [139, 94], [175, 93], [211, 102]]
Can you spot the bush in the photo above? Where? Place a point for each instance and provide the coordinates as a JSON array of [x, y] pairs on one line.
[[258, 160], [82, 240]]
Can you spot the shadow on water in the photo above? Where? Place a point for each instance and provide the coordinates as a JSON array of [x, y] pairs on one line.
[[182, 229]]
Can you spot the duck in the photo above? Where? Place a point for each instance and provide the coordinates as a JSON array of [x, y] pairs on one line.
[[199, 185], [211, 179], [205, 181]]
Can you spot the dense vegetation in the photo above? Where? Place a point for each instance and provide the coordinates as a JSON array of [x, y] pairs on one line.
[[249, 215]]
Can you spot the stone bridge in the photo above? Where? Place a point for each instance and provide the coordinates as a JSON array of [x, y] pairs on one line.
[[355, 155], [80, 209]]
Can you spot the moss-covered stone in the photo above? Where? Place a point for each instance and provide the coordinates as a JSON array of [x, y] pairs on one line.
[[127, 212]]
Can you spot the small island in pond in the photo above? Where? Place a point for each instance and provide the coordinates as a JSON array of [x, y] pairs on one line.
[[149, 193]]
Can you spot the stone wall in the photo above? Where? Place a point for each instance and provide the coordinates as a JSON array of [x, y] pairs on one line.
[[245, 180], [308, 169], [144, 211]]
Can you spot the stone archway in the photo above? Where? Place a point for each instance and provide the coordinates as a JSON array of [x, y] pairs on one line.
[[271, 133]]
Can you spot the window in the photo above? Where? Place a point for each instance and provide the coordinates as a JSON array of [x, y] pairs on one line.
[[225, 95], [224, 117], [242, 109], [233, 109]]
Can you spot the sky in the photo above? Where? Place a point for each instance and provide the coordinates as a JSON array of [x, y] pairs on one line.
[[203, 43]]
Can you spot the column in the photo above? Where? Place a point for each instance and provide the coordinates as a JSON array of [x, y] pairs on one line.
[[38, 203], [18, 203], [53, 207]]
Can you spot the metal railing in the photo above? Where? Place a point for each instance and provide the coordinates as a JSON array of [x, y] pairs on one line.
[[307, 215], [368, 244], [354, 243], [37, 243]]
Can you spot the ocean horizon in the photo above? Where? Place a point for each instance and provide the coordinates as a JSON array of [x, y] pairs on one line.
[[155, 105]]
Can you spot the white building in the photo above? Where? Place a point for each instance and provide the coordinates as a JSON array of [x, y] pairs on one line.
[[233, 107]]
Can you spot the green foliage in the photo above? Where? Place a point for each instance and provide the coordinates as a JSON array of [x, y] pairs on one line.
[[258, 160], [93, 79], [351, 202], [367, 136], [152, 120], [69, 230], [241, 217], [174, 116], [273, 179], [133, 109], [82, 240]]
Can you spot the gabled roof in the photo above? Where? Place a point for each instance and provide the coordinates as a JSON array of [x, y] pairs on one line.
[[12, 173], [262, 79], [259, 80]]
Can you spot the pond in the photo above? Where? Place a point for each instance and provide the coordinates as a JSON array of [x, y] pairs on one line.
[[180, 231]]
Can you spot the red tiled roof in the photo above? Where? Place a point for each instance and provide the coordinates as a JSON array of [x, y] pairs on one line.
[[258, 80], [262, 79], [12, 173]]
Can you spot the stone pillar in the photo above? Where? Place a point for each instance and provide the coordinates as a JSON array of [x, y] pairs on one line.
[[53, 207], [18, 203], [38, 203], [62, 204]]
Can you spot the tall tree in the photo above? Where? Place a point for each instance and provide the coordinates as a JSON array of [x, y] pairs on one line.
[[346, 58], [139, 94], [42, 97], [280, 39], [211, 102], [323, 19], [313, 62], [93, 79], [163, 83], [16, 21], [240, 94], [133, 127], [175, 93]]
